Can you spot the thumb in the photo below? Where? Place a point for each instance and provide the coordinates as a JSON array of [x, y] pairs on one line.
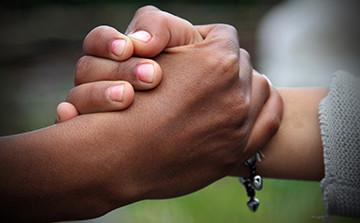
[[153, 30]]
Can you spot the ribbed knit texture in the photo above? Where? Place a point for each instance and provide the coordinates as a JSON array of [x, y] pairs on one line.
[[340, 132]]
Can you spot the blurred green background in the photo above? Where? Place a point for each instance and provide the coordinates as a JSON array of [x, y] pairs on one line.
[[40, 44]]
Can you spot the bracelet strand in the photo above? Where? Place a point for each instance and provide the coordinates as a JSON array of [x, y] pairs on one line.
[[253, 182]]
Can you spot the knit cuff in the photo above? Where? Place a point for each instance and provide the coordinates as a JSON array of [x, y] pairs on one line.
[[340, 133]]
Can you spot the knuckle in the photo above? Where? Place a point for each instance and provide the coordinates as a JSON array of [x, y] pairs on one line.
[[264, 85], [96, 33], [228, 28], [224, 51], [224, 63], [101, 28], [145, 9], [121, 70], [81, 69], [227, 44], [95, 100], [225, 27], [245, 54], [230, 63], [245, 63], [228, 40], [163, 19], [157, 16]]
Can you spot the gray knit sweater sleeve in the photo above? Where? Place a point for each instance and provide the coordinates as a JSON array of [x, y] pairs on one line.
[[340, 132]]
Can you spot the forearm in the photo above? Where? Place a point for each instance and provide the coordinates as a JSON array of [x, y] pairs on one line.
[[51, 174], [295, 152]]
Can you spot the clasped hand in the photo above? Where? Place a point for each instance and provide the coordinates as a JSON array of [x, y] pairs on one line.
[[165, 109]]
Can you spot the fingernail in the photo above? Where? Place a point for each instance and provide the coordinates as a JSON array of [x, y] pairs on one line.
[[116, 93], [141, 35], [118, 46], [268, 80], [145, 73]]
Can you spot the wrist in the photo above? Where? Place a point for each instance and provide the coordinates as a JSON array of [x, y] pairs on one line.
[[295, 152]]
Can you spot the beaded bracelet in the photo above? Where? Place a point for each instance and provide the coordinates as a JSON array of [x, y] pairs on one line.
[[253, 182]]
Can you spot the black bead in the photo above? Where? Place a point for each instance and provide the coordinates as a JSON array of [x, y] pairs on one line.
[[257, 183], [253, 204]]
